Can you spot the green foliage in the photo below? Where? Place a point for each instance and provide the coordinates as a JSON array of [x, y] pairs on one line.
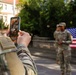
[[29, 18], [41, 16], [74, 13], [1, 24]]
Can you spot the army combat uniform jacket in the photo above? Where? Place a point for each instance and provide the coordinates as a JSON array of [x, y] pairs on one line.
[[64, 51]]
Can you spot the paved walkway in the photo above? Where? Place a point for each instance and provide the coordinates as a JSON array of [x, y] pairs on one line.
[[49, 53], [49, 67]]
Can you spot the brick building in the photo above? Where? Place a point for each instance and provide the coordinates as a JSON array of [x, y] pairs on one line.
[[8, 9]]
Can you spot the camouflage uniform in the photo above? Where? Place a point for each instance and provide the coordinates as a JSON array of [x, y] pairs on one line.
[[26, 58], [65, 52], [56, 33], [11, 60]]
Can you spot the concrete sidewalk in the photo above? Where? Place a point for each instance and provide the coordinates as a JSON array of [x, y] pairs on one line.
[[47, 53], [49, 67]]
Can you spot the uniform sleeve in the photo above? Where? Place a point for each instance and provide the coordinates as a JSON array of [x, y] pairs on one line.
[[26, 58], [54, 35], [69, 38]]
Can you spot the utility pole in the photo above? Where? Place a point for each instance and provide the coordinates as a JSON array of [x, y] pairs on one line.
[[14, 5]]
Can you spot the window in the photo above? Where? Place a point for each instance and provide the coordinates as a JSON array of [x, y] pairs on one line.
[[1, 6], [5, 18], [12, 7], [1, 17], [5, 7]]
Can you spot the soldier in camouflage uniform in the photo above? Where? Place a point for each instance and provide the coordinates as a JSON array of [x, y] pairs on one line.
[[56, 33], [64, 39], [17, 60]]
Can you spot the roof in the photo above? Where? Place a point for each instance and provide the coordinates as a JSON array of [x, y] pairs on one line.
[[9, 1]]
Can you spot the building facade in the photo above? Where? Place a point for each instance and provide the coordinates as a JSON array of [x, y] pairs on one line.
[[7, 10]]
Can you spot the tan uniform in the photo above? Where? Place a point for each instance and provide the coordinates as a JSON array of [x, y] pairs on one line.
[[65, 52], [19, 63], [56, 33]]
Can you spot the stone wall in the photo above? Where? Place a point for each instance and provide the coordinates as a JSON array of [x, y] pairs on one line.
[[42, 42]]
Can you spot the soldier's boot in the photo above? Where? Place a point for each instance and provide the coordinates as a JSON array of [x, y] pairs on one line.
[[68, 74], [62, 74]]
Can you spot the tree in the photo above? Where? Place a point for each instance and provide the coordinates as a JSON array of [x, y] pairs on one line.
[[1, 24], [30, 17], [41, 16], [74, 12]]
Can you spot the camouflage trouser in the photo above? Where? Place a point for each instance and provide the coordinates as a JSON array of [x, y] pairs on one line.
[[57, 51], [57, 56], [64, 57]]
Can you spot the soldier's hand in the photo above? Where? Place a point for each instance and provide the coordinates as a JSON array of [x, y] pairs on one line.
[[59, 42], [24, 38]]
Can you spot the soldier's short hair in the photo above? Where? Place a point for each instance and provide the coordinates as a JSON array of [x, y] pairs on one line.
[[62, 24]]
